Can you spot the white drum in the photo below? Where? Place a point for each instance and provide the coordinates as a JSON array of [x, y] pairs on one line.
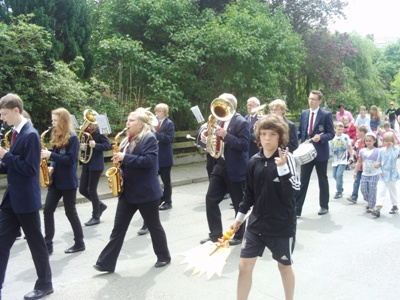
[[305, 153]]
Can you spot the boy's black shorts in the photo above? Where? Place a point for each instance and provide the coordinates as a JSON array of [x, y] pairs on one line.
[[281, 247]]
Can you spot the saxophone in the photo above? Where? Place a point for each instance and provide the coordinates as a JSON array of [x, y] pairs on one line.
[[6, 141], [113, 174], [45, 180]]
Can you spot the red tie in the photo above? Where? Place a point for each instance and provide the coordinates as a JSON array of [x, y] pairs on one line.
[[13, 137], [218, 145], [158, 126], [310, 129]]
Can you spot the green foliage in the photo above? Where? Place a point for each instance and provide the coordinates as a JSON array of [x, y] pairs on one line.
[[22, 54], [68, 23], [169, 51]]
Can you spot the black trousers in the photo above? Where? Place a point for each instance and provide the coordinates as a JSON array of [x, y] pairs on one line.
[[123, 216], [10, 224], [306, 170], [165, 174], [219, 184], [88, 188], [69, 197]]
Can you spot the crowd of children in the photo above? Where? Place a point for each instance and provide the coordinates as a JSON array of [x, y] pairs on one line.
[[375, 157]]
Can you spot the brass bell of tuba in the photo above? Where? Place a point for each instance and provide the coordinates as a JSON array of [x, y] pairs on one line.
[[45, 180], [221, 110], [114, 176], [85, 151]]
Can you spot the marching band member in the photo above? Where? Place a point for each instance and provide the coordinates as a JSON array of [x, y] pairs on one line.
[[63, 170], [91, 173], [21, 201], [229, 172], [141, 191]]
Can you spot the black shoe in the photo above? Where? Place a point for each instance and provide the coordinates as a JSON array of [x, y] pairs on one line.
[[99, 268], [160, 264], [351, 199], [38, 294], [165, 206], [92, 221], [234, 242], [208, 239], [103, 207], [323, 211], [75, 249], [376, 213], [144, 230]]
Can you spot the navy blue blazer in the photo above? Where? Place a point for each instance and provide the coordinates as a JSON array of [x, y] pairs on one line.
[[165, 138], [322, 124], [65, 163], [253, 148], [293, 143], [96, 163], [236, 148], [21, 163], [140, 172]]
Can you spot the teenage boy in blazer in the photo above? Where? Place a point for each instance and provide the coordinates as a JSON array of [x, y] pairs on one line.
[[21, 201]]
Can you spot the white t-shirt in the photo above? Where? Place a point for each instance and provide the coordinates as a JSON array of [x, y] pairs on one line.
[[339, 146]]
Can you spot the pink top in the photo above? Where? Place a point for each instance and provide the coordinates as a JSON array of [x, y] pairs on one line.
[[390, 130], [345, 113]]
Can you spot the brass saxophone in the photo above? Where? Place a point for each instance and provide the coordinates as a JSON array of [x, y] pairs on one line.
[[6, 141], [45, 180], [114, 173]]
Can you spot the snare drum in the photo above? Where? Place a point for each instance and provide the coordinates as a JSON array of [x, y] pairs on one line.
[[305, 153]]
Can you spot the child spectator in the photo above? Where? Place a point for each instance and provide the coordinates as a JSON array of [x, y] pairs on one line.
[[389, 175], [340, 145], [370, 176], [375, 117], [386, 128], [391, 115], [271, 184], [361, 132], [349, 129], [363, 118]]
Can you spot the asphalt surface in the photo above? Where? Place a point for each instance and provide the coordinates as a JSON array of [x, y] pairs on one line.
[[345, 254]]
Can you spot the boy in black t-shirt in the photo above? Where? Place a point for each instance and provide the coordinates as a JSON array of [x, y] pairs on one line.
[[391, 114]]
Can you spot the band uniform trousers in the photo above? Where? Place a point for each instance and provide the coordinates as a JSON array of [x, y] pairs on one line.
[[123, 216], [305, 174], [219, 184], [165, 174], [88, 188], [10, 224], [69, 197]]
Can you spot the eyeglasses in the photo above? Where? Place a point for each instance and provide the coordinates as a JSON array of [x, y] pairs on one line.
[[311, 99]]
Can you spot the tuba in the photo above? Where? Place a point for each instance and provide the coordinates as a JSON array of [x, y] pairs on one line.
[[45, 180], [221, 110], [113, 174], [85, 151]]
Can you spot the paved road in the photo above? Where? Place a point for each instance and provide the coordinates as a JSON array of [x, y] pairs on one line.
[[343, 255]]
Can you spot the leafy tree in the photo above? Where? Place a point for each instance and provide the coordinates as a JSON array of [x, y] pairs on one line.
[[183, 57], [68, 23], [310, 14], [22, 54]]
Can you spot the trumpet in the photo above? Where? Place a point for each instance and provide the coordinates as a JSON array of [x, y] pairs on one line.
[[89, 116]]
